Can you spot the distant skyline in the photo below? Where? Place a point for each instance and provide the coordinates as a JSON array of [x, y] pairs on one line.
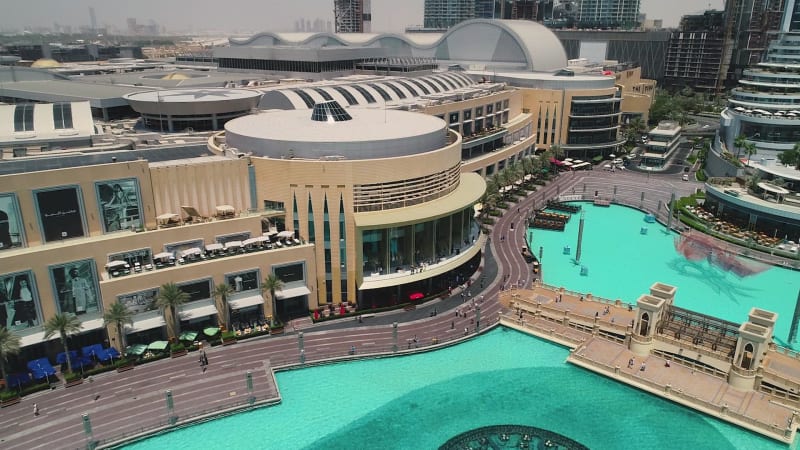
[[243, 16]]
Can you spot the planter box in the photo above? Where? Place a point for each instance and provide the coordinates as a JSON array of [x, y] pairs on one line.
[[73, 382], [229, 342], [9, 402], [178, 354], [125, 368], [276, 330]]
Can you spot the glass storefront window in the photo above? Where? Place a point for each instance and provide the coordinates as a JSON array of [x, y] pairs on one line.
[[400, 242], [374, 250], [443, 249], [423, 243]]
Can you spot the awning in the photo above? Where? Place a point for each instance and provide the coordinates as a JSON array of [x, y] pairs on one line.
[[214, 247], [246, 301], [94, 324], [158, 345], [251, 241], [35, 338], [163, 255], [291, 293], [211, 331], [202, 309], [145, 323], [225, 209]]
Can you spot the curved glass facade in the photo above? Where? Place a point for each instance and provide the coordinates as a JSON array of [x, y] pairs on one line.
[[387, 250], [762, 132]]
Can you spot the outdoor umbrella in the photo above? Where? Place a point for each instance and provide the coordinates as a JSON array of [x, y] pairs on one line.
[[158, 345], [187, 336], [211, 331]]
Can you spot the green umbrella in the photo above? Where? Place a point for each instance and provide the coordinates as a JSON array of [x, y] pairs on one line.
[[136, 350], [211, 331], [187, 336], [158, 345]]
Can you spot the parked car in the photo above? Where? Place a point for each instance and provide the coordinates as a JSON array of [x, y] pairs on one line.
[[685, 177]]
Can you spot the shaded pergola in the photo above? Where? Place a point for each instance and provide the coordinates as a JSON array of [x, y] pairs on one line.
[[701, 330]]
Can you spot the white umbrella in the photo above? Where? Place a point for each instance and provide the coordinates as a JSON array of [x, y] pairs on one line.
[[116, 264], [213, 247], [190, 251], [163, 255], [612, 156], [233, 244], [285, 234], [250, 241]]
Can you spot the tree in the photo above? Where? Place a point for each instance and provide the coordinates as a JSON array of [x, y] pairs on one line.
[[65, 325], [221, 292], [791, 157], [750, 149], [119, 315], [170, 297], [271, 284], [558, 152], [739, 143], [9, 345]]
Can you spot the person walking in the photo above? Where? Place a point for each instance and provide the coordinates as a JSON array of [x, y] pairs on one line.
[[35, 410]]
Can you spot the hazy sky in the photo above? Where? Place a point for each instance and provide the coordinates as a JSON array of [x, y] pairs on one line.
[[250, 15]]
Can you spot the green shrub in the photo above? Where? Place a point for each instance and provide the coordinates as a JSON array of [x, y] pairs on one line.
[[72, 376], [100, 369], [8, 395], [701, 175], [177, 347], [37, 387], [228, 335], [122, 362]]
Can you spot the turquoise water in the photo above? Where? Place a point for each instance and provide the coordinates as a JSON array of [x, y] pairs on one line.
[[623, 263], [420, 401]]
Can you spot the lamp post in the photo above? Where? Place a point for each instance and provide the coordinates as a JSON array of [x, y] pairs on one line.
[[394, 337], [87, 430], [250, 397], [171, 419]]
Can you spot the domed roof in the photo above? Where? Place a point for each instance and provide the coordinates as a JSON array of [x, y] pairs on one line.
[[45, 63]]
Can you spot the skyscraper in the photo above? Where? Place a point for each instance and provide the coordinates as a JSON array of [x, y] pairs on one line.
[[92, 20], [352, 16], [446, 13], [607, 13], [694, 56], [748, 24], [507, 9]]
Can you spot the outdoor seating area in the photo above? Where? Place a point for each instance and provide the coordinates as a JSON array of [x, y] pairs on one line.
[[733, 230], [41, 370], [332, 310]]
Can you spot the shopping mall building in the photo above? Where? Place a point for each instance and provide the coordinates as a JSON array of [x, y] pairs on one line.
[[359, 189]]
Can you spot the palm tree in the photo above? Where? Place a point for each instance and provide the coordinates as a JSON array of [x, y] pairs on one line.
[[65, 325], [739, 142], [221, 292], [119, 315], [9, 345], [170, 297], [271, 284], [557, 151], [750, 149]]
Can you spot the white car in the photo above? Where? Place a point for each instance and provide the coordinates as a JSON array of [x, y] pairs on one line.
[[685, 177]]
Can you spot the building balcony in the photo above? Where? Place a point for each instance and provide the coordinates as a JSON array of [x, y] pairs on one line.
[[590, 146]]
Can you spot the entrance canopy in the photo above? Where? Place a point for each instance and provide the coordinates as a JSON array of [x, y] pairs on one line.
[[291, 293]]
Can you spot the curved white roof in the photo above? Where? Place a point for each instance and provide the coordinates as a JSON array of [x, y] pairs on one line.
[[372, 133], [521, 44], [193, 101]]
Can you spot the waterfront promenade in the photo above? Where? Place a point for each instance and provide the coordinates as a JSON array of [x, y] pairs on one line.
[[123, 404]]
